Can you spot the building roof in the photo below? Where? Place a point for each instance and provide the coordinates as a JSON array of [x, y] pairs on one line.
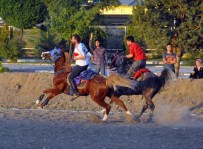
[[130, 2]]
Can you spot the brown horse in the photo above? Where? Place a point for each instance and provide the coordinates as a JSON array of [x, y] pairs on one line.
[[97, 87], [147, 85]]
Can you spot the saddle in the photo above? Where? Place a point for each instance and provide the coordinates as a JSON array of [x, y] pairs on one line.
[[140, 72], [84, 77]]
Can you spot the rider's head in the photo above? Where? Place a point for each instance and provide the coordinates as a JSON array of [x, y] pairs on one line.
[[130, 40], [75, 39], [97, 42], [169, 47]]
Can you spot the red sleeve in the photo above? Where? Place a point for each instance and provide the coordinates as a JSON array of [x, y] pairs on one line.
[[132, 50]]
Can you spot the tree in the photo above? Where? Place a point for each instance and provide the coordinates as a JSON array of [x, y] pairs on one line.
[[23, 14], [12, 49], [4, 34], [75, 17], [46, 42], [158, 22]]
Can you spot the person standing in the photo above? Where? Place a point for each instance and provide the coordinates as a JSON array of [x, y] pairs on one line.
[[99, 56], [138, 55], [81, 61], [169, 58]]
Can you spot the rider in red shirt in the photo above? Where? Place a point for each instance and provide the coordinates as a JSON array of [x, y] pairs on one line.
[[138, 55]]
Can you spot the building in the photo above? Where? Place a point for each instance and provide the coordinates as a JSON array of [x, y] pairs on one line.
[[115, 23]]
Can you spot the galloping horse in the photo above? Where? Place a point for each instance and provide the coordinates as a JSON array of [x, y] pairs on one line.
[[97, 87], [148, 84]]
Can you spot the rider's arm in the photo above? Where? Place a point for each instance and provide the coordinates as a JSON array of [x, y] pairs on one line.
[[131, 54], [90, 43], [165, 61], [174, 59]]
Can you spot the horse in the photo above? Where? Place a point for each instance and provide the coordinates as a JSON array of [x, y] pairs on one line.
[[148, 84], [98, 87]]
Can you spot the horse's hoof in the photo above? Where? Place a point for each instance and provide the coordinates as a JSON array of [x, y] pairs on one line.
[[105, 117], [37, 102], [128, 113], [40, 107]]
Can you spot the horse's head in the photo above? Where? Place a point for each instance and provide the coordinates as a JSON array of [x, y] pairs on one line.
[[117, 60], [119, 63], [52, 55]]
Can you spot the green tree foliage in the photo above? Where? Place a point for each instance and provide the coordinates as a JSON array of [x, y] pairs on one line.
[[47, 42], [12, 49], [180, 22], [4, 34], [74, 17], [23, 14]]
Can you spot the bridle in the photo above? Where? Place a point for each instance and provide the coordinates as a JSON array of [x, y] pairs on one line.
[[56, 65], [115, 58]]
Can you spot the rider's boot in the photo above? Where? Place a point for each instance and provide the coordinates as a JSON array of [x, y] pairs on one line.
[[74, 88]]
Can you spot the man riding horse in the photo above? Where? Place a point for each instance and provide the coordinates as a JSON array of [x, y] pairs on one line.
[[81, 61], [138, 55]]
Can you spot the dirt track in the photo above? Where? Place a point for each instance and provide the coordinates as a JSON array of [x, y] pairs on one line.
[[20, 90], [55, 129], [63, 124]]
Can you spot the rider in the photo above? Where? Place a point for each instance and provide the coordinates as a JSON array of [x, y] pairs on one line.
[[80, 60], [138, 55]]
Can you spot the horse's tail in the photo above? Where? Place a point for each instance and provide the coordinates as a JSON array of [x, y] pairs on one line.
[[116, 80], [167, 76]]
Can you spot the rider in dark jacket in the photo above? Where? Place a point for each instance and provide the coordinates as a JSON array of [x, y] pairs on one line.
[[198, 70]]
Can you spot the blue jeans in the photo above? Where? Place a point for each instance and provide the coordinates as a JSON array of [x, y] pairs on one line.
[[99, 68], [136, 66]]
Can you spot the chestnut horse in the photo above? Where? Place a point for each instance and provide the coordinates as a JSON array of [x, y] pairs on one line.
[[97, 87]]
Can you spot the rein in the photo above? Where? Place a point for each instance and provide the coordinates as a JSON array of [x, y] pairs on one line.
[[58, 72], [115, 58]]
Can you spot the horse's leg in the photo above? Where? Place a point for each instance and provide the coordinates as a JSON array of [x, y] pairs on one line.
[[40, 99], [46, 101], [120, 103], [149, 104], [102, 103], [51, 90], [144, 108], [148, 94], [54, 92]]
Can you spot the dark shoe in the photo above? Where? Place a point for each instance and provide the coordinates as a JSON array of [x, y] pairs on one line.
[[74, 88]]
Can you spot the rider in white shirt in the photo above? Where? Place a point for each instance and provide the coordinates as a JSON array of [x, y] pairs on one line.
[[81, 60]]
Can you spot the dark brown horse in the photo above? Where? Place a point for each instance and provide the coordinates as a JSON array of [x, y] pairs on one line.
[[148, 85], [97, 87]]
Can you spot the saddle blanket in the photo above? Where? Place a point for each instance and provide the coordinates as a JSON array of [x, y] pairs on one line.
[[84, 76], [139, 72]]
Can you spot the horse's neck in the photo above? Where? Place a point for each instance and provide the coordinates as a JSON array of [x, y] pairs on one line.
[[59, 65]]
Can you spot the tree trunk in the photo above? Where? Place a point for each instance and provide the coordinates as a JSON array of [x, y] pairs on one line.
[[177, 65], [179, 54], [22, 31]]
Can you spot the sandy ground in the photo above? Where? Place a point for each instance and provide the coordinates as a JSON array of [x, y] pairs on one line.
[[21, 90], [64, 124], [56, 129]]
